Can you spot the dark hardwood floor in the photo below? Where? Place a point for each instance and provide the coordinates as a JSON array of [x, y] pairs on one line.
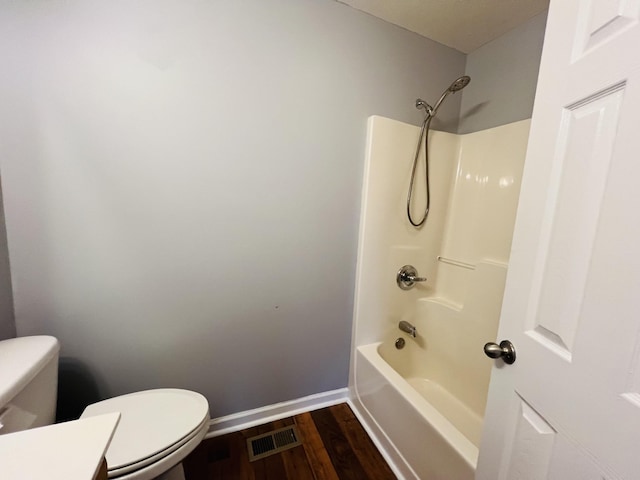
[[334, 446]]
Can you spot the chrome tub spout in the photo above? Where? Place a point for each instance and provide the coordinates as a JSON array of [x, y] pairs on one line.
[[408, 328]]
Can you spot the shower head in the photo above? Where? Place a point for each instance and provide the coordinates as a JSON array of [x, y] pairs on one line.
[[457, 85], [460, 83]]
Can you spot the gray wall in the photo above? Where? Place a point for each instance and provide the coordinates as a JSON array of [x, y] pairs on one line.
[[182, 183], [7, 321], [504, 75]]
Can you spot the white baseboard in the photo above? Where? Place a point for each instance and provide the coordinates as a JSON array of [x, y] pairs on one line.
[[258, 416]]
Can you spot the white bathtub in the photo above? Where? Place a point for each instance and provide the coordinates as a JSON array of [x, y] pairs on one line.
[[432, 433]]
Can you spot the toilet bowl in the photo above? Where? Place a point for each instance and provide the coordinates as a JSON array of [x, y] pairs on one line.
[[157, 428]]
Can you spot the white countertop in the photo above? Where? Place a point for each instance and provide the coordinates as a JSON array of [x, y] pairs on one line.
[[64, 451]]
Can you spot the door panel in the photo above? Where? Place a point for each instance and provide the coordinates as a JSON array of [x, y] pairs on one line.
[[570, 462], [570, 406], [583, 154], [532, 445], [600, 21]]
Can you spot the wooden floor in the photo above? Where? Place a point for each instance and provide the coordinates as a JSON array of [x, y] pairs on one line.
[[334, 446]]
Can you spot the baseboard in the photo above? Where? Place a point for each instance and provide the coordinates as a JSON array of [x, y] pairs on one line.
[[258, 416]]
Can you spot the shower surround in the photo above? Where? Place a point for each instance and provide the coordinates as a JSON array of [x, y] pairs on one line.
[[424, 404]]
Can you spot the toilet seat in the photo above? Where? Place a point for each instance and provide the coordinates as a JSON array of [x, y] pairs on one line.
[[199, 432], [157, 427], [153, 470]]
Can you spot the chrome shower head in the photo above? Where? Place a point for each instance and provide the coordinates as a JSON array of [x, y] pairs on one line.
[[457, 85], [460, 83]]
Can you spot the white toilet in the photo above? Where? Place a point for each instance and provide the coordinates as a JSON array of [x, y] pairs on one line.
[[157, 429]]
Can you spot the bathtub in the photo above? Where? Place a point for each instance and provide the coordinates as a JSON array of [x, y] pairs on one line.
[[427, 432]]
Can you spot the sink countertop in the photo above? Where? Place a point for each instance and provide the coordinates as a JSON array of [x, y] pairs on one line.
[[63, 451]]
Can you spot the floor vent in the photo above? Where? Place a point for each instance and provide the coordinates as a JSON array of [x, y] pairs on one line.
[[273, 442]]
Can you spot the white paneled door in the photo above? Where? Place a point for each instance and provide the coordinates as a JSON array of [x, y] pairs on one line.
[[569, 407]]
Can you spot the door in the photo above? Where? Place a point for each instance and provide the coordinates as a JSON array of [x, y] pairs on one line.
[[569, 407]]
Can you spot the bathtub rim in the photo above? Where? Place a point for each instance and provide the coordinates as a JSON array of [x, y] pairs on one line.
[[458, 442]]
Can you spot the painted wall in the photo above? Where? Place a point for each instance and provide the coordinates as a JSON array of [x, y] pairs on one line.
[[7, 321], [182, 183], [504, 75]]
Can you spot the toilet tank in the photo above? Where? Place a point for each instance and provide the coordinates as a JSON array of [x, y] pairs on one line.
[[28, 382]]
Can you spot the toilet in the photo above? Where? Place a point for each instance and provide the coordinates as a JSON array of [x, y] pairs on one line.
[[157, 428]]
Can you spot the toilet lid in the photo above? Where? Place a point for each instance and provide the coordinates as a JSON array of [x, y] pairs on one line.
[[162, 456], [150, 422]]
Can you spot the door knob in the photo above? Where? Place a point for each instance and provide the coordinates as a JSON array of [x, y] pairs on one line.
[[505, 350]]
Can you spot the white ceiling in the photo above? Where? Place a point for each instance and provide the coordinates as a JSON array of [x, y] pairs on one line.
[[461, 24]]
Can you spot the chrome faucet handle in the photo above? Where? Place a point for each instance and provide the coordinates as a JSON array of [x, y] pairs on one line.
[[407, 276]]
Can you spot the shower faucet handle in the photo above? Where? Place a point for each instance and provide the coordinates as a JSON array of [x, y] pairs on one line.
[[407, 277]]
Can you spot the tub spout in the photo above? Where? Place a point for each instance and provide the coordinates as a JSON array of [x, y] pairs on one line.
[[408, 328]]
